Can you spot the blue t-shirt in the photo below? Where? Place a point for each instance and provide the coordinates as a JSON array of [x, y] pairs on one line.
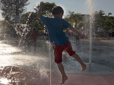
[[55, 27]]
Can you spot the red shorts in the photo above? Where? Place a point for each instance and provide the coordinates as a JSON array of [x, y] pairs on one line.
[[58, 49]]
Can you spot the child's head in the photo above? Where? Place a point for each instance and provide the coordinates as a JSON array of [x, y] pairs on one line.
[[57, 11]]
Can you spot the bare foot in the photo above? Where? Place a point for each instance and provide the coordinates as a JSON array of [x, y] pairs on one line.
[[83, 67], [64, 79]]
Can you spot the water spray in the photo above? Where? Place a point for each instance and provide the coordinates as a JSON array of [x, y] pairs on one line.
[[91, 8]]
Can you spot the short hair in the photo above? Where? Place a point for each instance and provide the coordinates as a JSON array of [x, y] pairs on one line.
[[57, 10]]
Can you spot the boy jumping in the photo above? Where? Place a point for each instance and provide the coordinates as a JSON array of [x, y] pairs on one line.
[[58, 38]]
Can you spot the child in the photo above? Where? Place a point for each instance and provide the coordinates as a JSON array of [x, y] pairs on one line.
[[77, 39], [34, 36], [58, 38]]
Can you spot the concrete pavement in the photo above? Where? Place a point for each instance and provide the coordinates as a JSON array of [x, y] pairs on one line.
[[101, 72], [84, 79]]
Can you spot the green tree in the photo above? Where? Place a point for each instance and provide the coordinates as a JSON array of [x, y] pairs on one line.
[[74, 18], [6, 27], [99, 19], [105, 21], [109, 22], [28, 18], [80, 24], [47, 10], [11, 8], [4, 24], [109, 13], [32, 20]]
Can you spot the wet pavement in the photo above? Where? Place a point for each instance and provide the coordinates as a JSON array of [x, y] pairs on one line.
[[20, 66]]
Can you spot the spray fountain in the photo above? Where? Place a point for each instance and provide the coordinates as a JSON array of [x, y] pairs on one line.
[[91, 10], [23, 68]]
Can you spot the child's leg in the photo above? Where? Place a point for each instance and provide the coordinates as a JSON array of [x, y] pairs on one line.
[[58, 59], [77, 58], [61, 69]]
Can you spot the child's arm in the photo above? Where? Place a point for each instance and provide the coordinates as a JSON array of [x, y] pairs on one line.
[[76, 32], [40, 9]]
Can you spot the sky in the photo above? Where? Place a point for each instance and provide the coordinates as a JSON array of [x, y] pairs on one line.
[[77, 6]]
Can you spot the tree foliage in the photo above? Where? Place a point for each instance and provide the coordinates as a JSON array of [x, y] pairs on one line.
[[32, 19], [74, 18], [100, 19], [11, 7], [80, 24], [47, 10], [105, 21]]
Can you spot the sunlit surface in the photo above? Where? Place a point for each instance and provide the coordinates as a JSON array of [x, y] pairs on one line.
[[4, 81], [23, 68], [6, 49]]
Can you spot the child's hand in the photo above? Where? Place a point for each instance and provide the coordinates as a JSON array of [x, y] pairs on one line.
[[42, 4]]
